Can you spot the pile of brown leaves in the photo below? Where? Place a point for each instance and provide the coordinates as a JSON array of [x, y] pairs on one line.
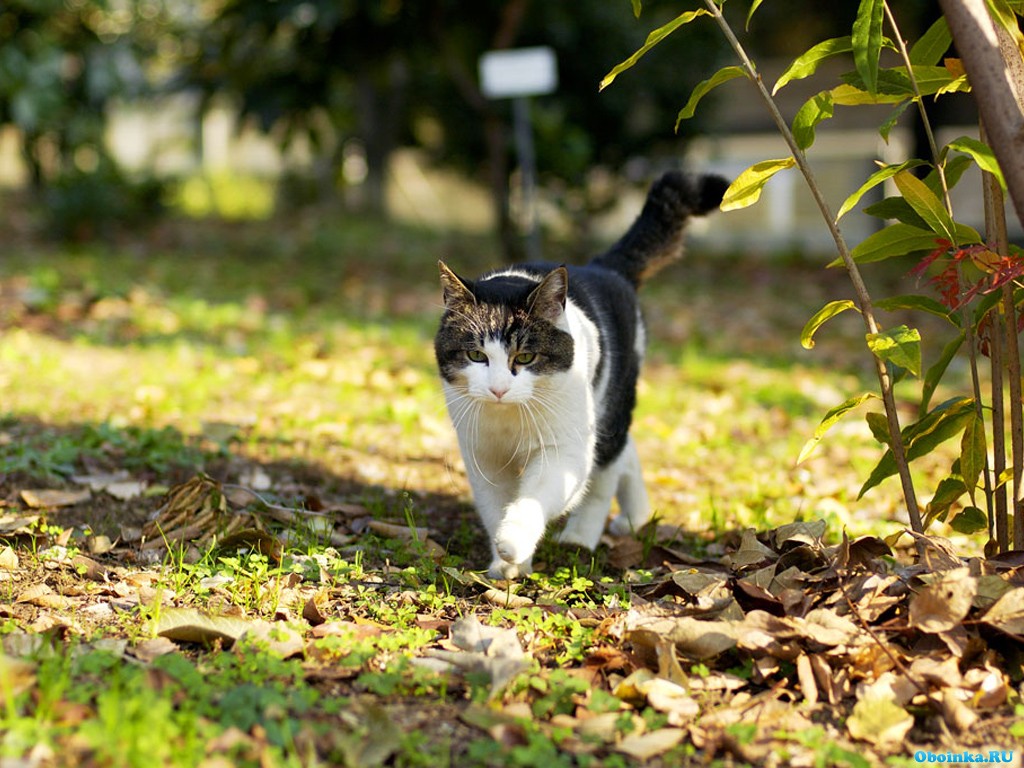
[[921, 653], [778, 636]]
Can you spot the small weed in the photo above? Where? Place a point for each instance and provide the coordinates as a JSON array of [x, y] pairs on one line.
[[556, 693], [404, 679]]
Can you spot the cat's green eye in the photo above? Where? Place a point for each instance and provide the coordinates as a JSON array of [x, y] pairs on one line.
[[476, 356], [525, 358]]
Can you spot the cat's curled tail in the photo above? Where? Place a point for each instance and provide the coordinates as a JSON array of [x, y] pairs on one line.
[[656, 237]]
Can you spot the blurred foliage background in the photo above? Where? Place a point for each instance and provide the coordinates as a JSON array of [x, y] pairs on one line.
[[337, 87]]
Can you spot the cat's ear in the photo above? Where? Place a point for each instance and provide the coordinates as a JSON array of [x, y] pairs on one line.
[[547, 301], [455, 291]]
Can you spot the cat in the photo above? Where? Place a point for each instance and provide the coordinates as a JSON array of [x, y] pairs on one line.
[[539, 365]]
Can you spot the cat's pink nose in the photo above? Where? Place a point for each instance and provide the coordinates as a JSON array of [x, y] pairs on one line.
[[499, 392]]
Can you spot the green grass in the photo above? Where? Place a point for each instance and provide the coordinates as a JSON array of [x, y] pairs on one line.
[[304, 348]]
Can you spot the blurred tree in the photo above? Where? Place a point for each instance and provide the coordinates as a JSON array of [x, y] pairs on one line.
[[398, 72], [61, 65], [323, 69]]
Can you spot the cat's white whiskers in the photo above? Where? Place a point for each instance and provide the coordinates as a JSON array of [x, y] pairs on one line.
[[538, 431]]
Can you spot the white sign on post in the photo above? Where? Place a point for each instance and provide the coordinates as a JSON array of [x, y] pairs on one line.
[[518, 72]]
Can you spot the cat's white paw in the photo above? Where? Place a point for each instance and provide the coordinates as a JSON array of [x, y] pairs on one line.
[[501, 569], [519, 531], [513, 546]]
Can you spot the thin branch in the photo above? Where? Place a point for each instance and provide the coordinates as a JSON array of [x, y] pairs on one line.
[[1016, 420], [995, 232], [859, 287]]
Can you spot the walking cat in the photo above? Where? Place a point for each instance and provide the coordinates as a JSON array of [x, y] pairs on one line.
[[539, 365]]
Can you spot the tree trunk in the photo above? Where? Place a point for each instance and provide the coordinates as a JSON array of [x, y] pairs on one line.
[[380, 93], [995, 70]]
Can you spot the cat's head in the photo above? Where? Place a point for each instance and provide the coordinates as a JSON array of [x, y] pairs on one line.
[[503, 336]]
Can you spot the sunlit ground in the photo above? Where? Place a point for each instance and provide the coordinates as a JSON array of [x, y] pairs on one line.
[[309, 339]]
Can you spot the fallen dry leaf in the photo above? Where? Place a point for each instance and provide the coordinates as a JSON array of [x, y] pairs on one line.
[[8, 559], [504, 598], [193, 626], [1007, 613], [694, 638], [944, 603], [494, 651], [671, 699], [279, 639], [153, 648], [805, 674], [645, 746], [120, 485], [956, 714], [53, 498]]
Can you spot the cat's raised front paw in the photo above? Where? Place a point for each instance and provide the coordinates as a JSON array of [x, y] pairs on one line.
[[519, 531]]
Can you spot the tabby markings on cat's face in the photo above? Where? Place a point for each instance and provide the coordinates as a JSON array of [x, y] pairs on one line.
[[500, 346]]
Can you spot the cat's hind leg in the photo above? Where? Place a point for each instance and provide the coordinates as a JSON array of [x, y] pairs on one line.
[[634, 506], [587, 520]]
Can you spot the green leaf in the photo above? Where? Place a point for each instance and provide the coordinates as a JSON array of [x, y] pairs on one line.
[[949, 489], [879, 426], [982, 155], [945, 421], [867, 41], [923, 437], [815, 110], [753, 9], [896, 208], [834, 415], [724, 75], [847, 95], [985, 306], [970, 520], [914, 302], [894, 240], [637, 8], [934, 374], [935, 81], [930, 47], [926, 204], [900, 346], [966, 235], [807, 64], [955, 168], [890, 122], [876, 178], [894, 86], [652, 40], [821, 317], [973, 451], [746, 189]]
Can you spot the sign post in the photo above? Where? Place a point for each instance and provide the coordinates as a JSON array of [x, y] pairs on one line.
[[519, 73]]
